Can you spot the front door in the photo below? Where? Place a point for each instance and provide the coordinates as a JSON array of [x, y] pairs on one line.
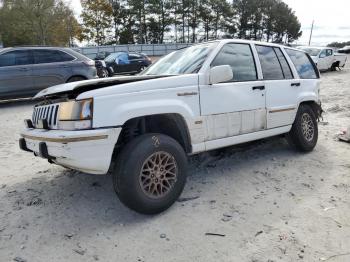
[[326, 59], [16, 74], [122, 64], [238, 106]]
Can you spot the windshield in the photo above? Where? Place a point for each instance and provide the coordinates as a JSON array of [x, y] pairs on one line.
[[312, 51], [183, 61]]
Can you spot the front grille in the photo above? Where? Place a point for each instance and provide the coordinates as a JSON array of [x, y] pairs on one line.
[[48, 112]]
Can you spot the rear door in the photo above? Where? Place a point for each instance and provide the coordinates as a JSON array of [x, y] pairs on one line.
[[16, 74], [51, 67], [136, 61], [281, 89]]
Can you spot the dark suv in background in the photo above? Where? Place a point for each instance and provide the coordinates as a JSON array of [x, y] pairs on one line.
[[24, 71], [126, 63]]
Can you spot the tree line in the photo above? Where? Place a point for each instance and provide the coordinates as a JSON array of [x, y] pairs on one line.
[[37, 22], [339, 44], [187, 21], [104, 22]]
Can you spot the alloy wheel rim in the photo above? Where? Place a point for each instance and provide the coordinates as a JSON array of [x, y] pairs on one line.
[[308, 127], [158, 175]]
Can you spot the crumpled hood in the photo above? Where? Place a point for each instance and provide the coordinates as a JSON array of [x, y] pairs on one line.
[[87, 85]]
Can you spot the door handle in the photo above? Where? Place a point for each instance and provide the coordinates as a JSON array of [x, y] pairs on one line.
[[23, 69], [295, 84], [258, 87]]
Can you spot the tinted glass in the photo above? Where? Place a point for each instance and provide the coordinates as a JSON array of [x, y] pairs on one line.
[[269, 63], [287, 72], [51, 56], [241, 60], [15, 58], [302, 63]]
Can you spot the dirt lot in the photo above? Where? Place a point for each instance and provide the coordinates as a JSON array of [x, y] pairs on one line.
[[269, 202]]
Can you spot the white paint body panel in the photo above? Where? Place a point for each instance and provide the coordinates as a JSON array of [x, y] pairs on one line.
[[87, 156], [216, 115]]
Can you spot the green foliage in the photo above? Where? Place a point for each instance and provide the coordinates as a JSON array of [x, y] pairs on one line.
[[339, 44], [96, 17], [37, 22], [266, 20], [147, 21]]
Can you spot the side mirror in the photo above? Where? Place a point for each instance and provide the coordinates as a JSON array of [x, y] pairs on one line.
[[322, 55], [219, 74]]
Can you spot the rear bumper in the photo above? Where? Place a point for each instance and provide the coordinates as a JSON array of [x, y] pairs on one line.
[[88, 151]]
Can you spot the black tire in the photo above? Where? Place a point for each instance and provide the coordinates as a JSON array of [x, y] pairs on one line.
[[76, 79], [304, 133], [335, 66], [129, 184], [105, 73], [142, 68]]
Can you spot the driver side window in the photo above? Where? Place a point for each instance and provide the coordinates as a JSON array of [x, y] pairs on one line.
[[241, 60], [329, 52]]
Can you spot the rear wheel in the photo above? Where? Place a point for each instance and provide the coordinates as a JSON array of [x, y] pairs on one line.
[[142, 68], [104, 73], [150, 173], [304, 132]]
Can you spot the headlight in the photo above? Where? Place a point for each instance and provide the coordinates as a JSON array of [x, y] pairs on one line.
[[75, 115]]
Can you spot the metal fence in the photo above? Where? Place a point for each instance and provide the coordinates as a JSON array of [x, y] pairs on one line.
[[148, 49]]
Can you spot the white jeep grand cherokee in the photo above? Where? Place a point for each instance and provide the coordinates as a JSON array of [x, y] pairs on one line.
[[207, 96]]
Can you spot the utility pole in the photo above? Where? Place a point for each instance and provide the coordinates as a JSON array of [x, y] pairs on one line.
[[312, 29]]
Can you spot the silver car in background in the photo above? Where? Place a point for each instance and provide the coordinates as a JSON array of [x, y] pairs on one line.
[[24, 71]]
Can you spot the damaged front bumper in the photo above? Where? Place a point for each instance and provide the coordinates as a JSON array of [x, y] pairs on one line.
[[88, 151]]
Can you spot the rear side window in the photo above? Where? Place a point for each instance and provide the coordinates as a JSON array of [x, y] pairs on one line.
[[302, 62], [270, 64], [287, 72], [241, 60], [51, 56], [15, 58]]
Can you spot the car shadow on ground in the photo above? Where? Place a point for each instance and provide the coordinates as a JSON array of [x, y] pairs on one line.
[[64, 200], [89, 201]]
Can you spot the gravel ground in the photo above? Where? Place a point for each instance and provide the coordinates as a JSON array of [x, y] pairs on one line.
[[265, 201]]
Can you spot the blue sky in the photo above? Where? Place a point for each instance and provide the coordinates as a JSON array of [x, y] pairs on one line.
[[332, 19]]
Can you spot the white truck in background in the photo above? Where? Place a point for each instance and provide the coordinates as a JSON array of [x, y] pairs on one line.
[[325, 57]]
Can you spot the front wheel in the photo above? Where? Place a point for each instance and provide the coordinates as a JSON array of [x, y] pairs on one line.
[[304, 132], [150, 173]]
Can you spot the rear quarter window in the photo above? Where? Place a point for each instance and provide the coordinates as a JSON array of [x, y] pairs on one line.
[[303, 64]]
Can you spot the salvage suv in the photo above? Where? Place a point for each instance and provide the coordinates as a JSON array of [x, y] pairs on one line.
[[141, 129]]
